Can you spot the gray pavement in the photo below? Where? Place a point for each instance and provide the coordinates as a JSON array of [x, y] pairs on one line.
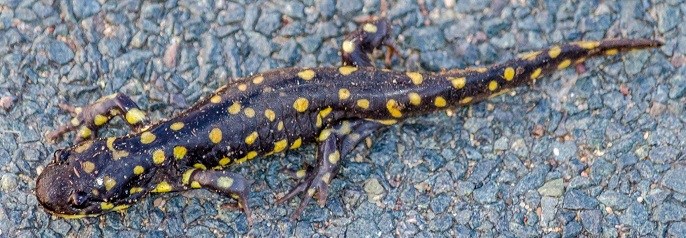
[[596, 151]]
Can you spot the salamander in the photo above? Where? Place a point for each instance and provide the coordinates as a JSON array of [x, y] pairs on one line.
[[268, 113]]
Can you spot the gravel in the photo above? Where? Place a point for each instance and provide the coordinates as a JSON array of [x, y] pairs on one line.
[[597, 153]]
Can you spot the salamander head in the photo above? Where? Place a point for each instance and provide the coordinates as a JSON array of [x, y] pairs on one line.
[[84, 181]]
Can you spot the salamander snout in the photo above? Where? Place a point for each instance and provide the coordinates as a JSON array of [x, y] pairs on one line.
[[56, 191]]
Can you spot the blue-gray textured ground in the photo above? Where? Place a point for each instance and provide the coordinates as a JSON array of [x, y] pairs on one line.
[[591, 154]]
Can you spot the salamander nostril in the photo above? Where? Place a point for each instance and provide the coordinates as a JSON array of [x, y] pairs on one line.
[[78, 199]]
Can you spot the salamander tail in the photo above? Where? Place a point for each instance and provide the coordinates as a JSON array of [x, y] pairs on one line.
[[559, 57], [475, 84]]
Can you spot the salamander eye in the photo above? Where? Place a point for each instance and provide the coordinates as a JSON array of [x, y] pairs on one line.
[[78, 199], [59, 156]]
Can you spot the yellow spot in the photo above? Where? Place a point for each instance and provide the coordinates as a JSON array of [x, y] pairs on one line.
[[199, 166], [224, 161], [334, 157], [195, 184], [75, 121], [216, 99], [135, 190], [493, 85], [325, 112], [589, 45], [176, 126], [296, 143], [363, 103], [251, 138], [280, 145], [394, 108], [326, 178], [138, 170], [186, 176], [279, 126], [158, 156], [481, 69], [85, 132], [554, 52], [109, 182], [466, 100], [307, 74], [179, 152], [371, 28], [216, 135], [234, 108], [100, 120], [415, 99], [347, 70], [77, 216], [120, 207], [106, 206], [270, 114], [83, 146], [300, 173], [348, 46], [258, 80], [531, 55], [242, 87], [440, 102], [116, 155], [134, 116], [343, 94], [509, 74], [88, 166], [324, 134], [224, 182], [249, 112], [611, 52], [319, 122], [147, 137], [536, 73], [162, 187], [416, 78], [386, 122], [580, 60], [310, 192], [251, 154], [110, 143], [564, 64], [301, 104], [458, 83]]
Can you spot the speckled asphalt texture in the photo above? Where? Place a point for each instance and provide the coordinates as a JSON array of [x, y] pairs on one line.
[[595, 151]]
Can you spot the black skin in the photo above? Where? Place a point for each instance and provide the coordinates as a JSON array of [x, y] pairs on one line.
[[278, 111]]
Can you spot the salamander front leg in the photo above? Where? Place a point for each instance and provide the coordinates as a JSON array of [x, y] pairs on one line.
[[225, 183], [358, 44], [89, 119], [334, 144]]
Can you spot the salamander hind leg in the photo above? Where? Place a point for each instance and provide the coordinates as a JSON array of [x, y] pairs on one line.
[[223, 182], [358, 44], [89, 119], [334, 144]]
